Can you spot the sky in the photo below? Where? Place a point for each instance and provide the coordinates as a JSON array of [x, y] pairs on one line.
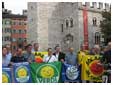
[[16, 6]]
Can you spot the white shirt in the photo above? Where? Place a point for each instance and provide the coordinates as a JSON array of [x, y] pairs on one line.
[[6, 60], [56, 55], [48, 59]]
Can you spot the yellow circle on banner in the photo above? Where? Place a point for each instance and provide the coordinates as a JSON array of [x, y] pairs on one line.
[[22, 73], [4, 78], [47, 72]]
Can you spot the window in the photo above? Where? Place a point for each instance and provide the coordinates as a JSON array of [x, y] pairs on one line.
[[94, 21], [20, 23], [31, 7], [97, 38], [24, 23], [7, 22], [62, 27], [20, 31], [5, 30], [14, 31], [25, 31], [14, 47], [2, 30], [2, 38], [14, 23], [67, 23], [8, 30], [7, 38], [71, 22]]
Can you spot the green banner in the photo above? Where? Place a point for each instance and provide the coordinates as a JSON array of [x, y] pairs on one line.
[[46, 72]]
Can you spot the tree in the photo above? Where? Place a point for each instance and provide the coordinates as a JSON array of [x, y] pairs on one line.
[[106, 26]]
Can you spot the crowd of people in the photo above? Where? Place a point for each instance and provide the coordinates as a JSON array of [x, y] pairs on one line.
[[26, 55]]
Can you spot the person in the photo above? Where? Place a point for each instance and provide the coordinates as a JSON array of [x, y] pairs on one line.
[[9, 54], [36, 47], [5, 58], [95, 50], [58, 54], [28, 54], [106, 61], [50, 57], [71, 57], [18, 57]]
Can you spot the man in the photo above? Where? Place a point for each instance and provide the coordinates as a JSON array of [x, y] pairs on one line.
[[5, 58], [95, 50], [18, 57], [9, 54], [36, 47], [58, 54], [28, 54], [50, 57], [71, 57], [106, 60]]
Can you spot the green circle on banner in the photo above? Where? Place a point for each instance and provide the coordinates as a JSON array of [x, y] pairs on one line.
[[47, 73], [21, 73]]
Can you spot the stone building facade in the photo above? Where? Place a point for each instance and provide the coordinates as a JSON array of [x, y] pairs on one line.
[[61, 23]]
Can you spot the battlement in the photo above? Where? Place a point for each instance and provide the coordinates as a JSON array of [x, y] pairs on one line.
[[97, 6]]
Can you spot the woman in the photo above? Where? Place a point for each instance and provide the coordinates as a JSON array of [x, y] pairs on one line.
[[50, 57]]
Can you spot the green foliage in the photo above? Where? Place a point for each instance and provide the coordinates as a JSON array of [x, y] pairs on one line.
[[106, 26]]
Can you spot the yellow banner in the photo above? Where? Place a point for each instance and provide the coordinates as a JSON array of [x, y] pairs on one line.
[[91, 69], [39, 56]]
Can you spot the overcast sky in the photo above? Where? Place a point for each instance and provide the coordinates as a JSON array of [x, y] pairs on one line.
[[16, 6]]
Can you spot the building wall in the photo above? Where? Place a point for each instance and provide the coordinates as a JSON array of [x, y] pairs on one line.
[[32, 22], [19, 30], [6, 31], [92, 12], [50, 18]]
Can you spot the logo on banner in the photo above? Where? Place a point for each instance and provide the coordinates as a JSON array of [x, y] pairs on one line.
[[96, 68], [47, 73], [22, 74], [72, 72], [5, 77]]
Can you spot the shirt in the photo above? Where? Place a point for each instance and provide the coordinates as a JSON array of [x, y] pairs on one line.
[[16, 59], [29, 56], [6, 59], [50, 59], [57, 54], [71, 59]]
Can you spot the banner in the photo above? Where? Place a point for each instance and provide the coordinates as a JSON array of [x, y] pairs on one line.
[[39, 56], [85, 22], [6, 75], [91, 69], [71, 73], [46, 72], [21, 72]]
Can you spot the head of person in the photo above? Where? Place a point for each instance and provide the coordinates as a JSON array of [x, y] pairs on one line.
[[71, 50], [29, 48], [8, 48], [49, 51], [4, 51], [109, 46], [57, 49], [97, 49], [82, 47], [19, 52], [36, 46]]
